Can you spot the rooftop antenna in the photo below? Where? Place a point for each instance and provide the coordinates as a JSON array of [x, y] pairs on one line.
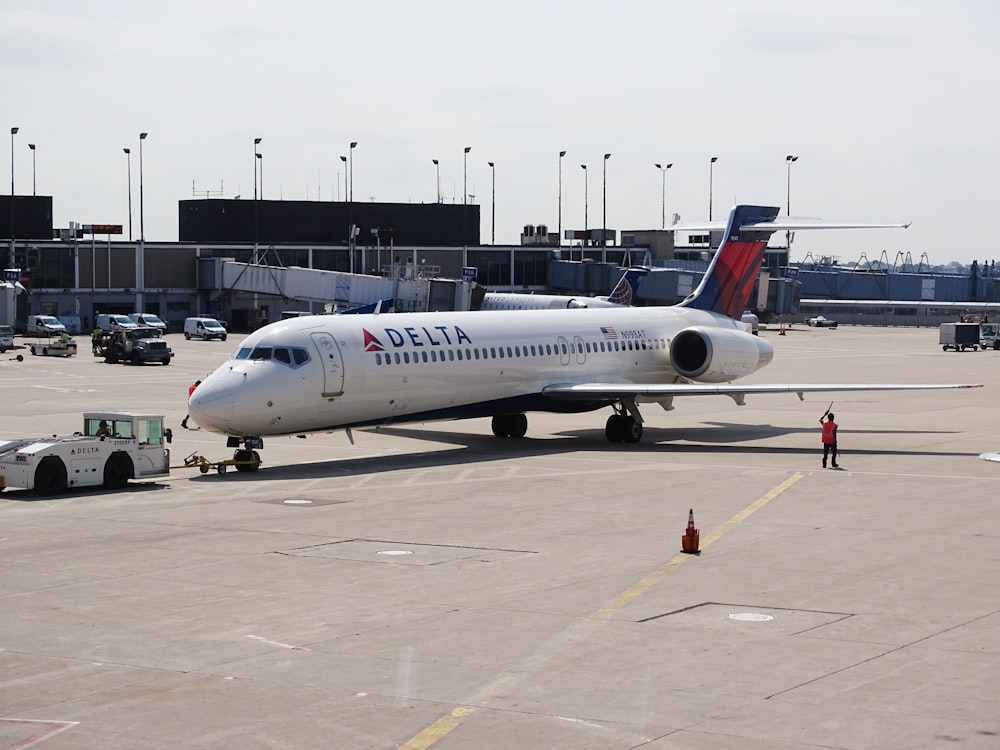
[[207, 193]]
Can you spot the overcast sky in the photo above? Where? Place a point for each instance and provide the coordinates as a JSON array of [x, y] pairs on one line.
[[890, 105]]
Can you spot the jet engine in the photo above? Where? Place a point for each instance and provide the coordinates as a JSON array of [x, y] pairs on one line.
[[718, 355]]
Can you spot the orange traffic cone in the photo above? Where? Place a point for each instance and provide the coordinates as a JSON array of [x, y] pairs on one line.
[[689, 542], [781, 329]]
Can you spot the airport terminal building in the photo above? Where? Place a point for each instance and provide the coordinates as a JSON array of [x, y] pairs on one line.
[[78, 272]]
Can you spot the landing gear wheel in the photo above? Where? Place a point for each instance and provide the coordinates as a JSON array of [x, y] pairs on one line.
[[117, 471], [50, 476], [249, 460], [633, 430], [621, 428], [510, 425], [614, 428]]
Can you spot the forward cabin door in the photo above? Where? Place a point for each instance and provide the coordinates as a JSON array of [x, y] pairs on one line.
[[333, 363]]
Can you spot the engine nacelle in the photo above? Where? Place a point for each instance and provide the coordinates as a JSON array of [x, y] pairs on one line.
[[718, 355]]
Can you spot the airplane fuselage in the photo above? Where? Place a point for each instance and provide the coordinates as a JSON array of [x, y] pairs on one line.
[[320, 373]]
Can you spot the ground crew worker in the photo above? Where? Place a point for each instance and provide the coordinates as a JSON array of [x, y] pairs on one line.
[[95, 340], [195, 384], [829, 439]]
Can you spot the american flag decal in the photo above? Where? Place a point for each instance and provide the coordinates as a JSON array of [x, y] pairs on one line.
[[609, 333], [372, 344]]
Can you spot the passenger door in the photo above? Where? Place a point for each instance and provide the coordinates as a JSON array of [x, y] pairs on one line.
[[333, 363]]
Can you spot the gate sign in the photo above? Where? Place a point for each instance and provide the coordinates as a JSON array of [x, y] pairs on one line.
[[470, 273], [12, 274]]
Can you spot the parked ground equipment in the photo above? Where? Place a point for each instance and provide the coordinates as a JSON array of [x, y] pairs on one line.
[[959, 336], [134, 346], [989, 336]]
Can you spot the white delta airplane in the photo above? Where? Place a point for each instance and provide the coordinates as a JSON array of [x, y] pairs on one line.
[[622, 294], [328, 372]]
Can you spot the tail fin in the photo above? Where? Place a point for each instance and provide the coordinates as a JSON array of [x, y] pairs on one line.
[[730, 277], [625, 290]]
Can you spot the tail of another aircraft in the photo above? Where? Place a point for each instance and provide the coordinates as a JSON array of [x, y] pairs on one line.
[[625, 290], [729, 280]]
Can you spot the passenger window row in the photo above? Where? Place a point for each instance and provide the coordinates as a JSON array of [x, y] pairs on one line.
[[517, 352]]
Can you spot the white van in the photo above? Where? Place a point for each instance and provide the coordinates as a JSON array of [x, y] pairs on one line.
[[6, 338], [45, 325], [204, 328], [148, 320], [114, 322]]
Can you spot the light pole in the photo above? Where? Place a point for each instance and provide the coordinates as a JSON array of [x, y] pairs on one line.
[[437, 168], [13, 132], [142, 224], [559, 229], [604, 200], [128, 160], [256, 157], [256, 143], [663, 193], [586, 203], [34, 190], [493, 217], [465, 206], [711, 164], [260, 170], [350, 198], [788, 196], [343, 159]]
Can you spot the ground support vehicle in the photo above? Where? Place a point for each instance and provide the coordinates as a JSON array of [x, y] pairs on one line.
[[989, 336], [54, 348], [204, 328], [112, 448], [6, 338], [959, 336], [243, 460], [134, 346], [820, 322]]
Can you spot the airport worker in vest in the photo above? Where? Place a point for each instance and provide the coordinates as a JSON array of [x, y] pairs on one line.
[[829, 439]]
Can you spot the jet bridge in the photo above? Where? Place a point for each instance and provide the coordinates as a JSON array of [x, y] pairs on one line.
[[412, 288]]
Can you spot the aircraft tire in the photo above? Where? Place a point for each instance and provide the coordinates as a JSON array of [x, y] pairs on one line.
[[614, 429], [510, 425], [250, 460], [632, 430]]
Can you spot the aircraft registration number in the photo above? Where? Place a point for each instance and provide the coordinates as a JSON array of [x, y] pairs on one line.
[[633, 333]]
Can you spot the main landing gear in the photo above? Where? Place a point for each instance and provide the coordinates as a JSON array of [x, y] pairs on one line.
[[625, 425]]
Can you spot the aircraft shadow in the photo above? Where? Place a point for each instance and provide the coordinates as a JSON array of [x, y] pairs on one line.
[[717, 439]]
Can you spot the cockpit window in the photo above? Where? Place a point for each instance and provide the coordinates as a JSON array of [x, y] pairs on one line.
[[292, 356]]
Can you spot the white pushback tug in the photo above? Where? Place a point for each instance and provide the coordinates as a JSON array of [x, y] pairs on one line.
[[113, 448]]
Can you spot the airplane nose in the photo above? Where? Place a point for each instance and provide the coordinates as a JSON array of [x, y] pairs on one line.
[[211, 406]]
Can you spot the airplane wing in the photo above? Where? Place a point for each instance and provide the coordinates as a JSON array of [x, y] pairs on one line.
[[790, 225], [737, 392]]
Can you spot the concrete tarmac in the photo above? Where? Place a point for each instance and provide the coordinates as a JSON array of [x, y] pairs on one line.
[[433, 586]]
